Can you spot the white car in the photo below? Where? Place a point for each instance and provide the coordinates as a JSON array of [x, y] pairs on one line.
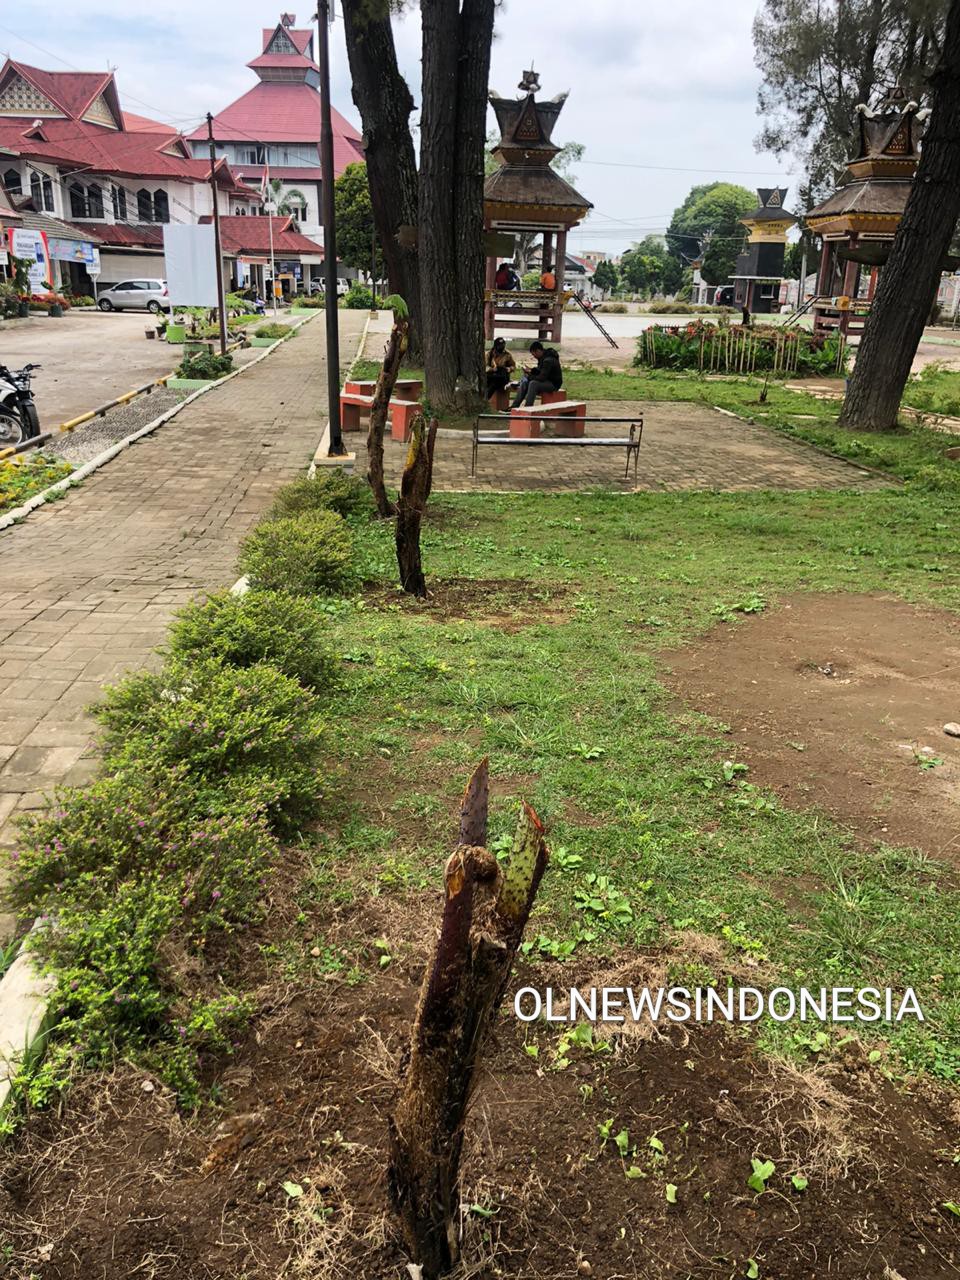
[[150, 295]]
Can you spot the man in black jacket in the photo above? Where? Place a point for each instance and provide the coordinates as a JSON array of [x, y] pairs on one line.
[[547, 376]]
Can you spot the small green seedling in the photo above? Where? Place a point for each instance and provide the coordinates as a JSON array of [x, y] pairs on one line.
[[762, 1170], [799, 1182], [655, 1144], [623, 1141], [753, 1269], [293, 1189], [670, 1191], [953, 1207], [730, 770], [634, 1172]]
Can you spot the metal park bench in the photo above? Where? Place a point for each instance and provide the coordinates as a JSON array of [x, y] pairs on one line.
[[631, 442]]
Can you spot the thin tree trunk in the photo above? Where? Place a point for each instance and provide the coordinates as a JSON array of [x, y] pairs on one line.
[[415, 486], [396, 346], [476, 38], [438, 163], [908, 282], [485, 912], [384, 101]]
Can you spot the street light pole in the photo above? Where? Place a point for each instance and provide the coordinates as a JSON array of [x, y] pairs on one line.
[[329, 232], [221, 300]]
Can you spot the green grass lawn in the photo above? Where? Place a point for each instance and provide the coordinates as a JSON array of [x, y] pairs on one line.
[[573, 715]]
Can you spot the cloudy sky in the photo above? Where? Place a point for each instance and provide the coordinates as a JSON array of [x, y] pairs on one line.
[[662, 95]]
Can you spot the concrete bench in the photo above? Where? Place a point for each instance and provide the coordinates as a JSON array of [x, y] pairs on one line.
[[629, 442], [402, 414], [405, 388], [566, 417]]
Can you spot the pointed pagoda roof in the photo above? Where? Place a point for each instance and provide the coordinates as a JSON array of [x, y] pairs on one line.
[[287, 52], [770, 207], [524, 187], [879, 177]]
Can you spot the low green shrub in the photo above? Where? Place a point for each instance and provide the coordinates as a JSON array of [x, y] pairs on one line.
[[613, 308], [358, 298], [664, 307], [289, 632], [328, 491], [245, 737], [273, 330], [139, 881], [206, 365], [312, 303], [305, 555]]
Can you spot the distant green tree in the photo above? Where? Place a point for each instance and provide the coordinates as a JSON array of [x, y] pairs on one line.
[[708, 222], [648, 268], [606, 276], [354, 215]]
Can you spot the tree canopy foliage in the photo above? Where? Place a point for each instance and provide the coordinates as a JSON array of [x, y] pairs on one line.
[[820, 58], [649, 268], [708, 222], [354, 214]]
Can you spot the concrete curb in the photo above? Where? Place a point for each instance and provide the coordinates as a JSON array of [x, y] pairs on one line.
[[20, 513], [321, 455]]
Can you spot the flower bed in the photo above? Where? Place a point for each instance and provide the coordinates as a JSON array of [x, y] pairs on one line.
[[721, 348]]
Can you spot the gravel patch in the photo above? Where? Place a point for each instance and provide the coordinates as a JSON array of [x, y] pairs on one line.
[[83, 443]]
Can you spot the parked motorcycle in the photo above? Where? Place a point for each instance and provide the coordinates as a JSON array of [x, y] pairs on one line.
[[19, 419]]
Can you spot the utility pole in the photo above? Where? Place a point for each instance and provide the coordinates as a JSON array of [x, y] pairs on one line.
[[329, 232], [373, 271], [221, 301]]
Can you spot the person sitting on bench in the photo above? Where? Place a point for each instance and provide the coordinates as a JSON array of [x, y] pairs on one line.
[[547, 376], [500, 364]]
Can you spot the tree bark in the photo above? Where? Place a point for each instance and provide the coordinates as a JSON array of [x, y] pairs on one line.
[[485, 912], [908, 282], [456, 65], [384, 101], [415, 486], [396, 346]]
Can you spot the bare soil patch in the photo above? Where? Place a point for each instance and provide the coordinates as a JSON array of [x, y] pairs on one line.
[[839, 701], [120, 1185], [505, 603]]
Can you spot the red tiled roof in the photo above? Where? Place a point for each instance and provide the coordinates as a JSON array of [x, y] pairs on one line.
[[282, 60], [142, 124], [252, 235], [252, 175], [274, 112], [121, 235], [72, 91]]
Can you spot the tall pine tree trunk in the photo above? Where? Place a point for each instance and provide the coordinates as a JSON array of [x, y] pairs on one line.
[[384, 101], [456, 65], [908, 282]]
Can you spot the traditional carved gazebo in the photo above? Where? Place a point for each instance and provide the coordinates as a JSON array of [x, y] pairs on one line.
[[759, 268], [523, 195], [858, 222]]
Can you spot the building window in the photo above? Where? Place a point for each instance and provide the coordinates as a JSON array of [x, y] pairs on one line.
[[144, 205], [78, 201], [11, 182], [253, 155], [161, 206], [41, 192], [94, 201], [119, 198]]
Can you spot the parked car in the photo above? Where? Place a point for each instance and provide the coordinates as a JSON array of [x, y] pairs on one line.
[[151, 295], [316, 286]]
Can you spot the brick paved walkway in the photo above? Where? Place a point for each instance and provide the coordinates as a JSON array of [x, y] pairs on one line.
[[88, 585], [685, 446]]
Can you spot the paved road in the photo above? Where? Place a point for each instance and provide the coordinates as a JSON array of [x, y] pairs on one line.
[[87, 357], [88, 585]]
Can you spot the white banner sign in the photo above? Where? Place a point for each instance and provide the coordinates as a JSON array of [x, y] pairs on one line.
[[191, 269]]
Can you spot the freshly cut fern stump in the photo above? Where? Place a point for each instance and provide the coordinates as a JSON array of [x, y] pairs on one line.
[[485, 912]]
